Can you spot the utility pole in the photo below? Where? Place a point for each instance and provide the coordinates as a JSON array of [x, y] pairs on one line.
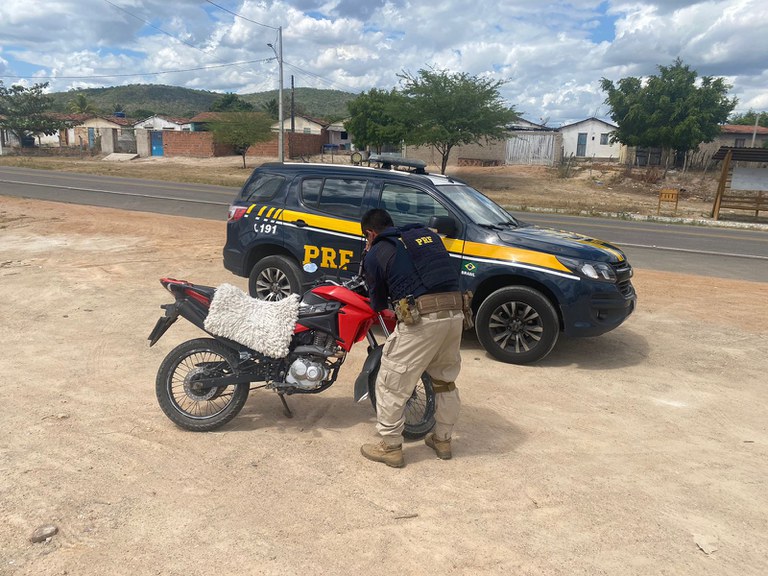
[[293, 108], [754, 130], [279, 55]]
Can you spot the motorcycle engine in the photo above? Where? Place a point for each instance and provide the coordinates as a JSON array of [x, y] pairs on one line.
[[307, 373]]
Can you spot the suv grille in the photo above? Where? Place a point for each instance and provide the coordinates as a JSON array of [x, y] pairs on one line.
[[623, 277]]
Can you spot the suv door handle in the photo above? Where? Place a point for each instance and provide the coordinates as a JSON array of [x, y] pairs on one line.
[[300, 223]]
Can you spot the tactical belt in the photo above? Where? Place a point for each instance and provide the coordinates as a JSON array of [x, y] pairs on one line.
[[439, 302]]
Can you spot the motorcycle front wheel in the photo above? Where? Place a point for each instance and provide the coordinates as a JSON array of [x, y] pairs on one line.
[[180, 394], [419, 410]]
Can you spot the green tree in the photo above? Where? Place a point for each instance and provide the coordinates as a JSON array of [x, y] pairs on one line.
[[748, 118], [449, 109], [670, 110], [241, 130], [25, 111], [272, 108], [377, 118], [81, 105], [231, 103]]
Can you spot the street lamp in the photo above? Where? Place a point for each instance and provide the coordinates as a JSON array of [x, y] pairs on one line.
[[279, 55]]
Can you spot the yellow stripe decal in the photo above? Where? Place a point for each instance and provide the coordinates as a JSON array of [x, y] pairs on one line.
[[325, 223], [454, 246], [507, 254], [269, 214], [251, 207], [262, 210], [601, 245]]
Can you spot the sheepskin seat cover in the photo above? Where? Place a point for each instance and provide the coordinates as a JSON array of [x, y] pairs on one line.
[[265, 327]]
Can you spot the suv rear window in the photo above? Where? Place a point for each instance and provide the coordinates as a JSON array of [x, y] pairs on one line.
[[262, 188], [338, 196], [409, 205]]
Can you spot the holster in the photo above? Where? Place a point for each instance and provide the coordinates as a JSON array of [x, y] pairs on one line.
[[466, 308], [407, 310]]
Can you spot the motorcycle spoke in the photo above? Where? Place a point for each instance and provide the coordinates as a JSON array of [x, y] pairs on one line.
[[199, 402]]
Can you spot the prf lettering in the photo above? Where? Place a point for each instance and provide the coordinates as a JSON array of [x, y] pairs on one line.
[[326, 257], [424, 240]]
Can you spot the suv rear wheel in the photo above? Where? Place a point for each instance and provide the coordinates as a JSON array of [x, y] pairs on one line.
[[273, 278], [517, 324]]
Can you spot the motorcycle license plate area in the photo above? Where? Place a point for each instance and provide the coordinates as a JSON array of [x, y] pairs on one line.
[[162, 324]]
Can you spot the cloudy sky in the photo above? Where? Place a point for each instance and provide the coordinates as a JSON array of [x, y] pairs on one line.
[[551, 54]]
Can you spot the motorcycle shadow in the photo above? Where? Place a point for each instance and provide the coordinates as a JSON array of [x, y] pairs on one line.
[[481, 431], [325, 411]]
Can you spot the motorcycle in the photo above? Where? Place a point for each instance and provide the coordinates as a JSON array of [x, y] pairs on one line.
[[204, 383]]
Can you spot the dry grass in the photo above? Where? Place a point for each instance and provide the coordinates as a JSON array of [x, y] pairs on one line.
[[591, 188]]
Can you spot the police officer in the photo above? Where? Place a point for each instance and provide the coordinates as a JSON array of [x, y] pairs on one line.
[[411, 269]]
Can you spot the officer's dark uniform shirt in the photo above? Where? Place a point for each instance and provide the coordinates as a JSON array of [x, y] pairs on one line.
[[391, 270]]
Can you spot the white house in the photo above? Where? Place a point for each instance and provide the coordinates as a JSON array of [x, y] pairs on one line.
[[302, 125], [158, 122], [338, 135], [590, 138]]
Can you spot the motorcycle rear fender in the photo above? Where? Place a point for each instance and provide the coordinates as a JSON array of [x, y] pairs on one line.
[[367, 377], [188, 309]]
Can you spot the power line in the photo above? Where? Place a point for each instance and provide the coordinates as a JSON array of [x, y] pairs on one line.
[[148, 23], [333, 84], [139, 74], [240, 16]]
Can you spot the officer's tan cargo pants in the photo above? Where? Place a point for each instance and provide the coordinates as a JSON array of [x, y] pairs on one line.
[[431, 345]]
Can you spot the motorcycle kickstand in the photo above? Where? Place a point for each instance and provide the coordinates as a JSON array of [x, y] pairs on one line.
[[286, 410]]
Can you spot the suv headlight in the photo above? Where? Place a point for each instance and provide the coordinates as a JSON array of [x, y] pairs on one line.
[[588, 269]]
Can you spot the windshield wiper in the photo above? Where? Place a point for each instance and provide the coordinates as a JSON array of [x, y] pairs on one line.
[[490, 226]]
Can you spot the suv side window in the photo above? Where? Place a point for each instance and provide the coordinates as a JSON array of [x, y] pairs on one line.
[[262, 188], [408, 205], [338, 196]]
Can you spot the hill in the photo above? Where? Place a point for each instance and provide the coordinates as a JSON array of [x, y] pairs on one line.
[[141, 100]]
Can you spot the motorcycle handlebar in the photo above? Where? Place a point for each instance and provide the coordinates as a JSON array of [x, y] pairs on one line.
[[353, 283]]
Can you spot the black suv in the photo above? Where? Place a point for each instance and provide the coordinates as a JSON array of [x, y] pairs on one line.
[[529, 283]]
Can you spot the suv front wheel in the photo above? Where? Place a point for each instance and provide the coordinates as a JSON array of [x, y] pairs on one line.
[[517, 324], [273, 278]]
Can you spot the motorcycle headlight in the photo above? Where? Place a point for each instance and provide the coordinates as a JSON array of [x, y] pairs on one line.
[[593, 270]]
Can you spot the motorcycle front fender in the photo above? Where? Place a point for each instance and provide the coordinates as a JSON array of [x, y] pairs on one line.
[[367, 376]]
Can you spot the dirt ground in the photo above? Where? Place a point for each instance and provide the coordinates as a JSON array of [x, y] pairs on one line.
[[643, 451]]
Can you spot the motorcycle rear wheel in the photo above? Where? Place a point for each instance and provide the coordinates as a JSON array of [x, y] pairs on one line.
[[419, 410], [188, 405]]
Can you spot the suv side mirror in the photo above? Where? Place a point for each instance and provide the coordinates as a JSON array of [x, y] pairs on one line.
[[445, 225]]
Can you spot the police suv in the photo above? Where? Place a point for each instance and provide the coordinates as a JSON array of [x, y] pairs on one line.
[[529, 283]]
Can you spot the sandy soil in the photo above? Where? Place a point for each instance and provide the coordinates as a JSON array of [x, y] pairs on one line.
[[644, 451]]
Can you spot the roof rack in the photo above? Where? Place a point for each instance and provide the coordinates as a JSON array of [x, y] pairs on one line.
[[391, 162]]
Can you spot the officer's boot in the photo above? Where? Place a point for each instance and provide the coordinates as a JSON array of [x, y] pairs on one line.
[[442, 447], [383, 452]]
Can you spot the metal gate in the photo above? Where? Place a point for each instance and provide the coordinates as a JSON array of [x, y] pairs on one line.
[[531, 148], [157, 142]]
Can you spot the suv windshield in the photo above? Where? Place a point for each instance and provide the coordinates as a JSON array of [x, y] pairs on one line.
[[480, 209]]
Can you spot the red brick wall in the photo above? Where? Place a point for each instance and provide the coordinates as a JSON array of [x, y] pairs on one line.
[[268, 148], [295, 145], [305, 144], [195, 144], [201, 145]]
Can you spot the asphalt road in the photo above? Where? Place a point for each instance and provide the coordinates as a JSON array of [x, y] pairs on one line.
[[709, 251]]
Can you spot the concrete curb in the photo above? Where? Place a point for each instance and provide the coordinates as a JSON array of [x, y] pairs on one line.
[[645, 218]]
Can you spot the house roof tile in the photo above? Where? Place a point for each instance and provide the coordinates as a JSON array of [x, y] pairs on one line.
[[742, 129]]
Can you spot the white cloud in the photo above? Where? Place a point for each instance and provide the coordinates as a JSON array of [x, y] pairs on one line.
[[550, 55]]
